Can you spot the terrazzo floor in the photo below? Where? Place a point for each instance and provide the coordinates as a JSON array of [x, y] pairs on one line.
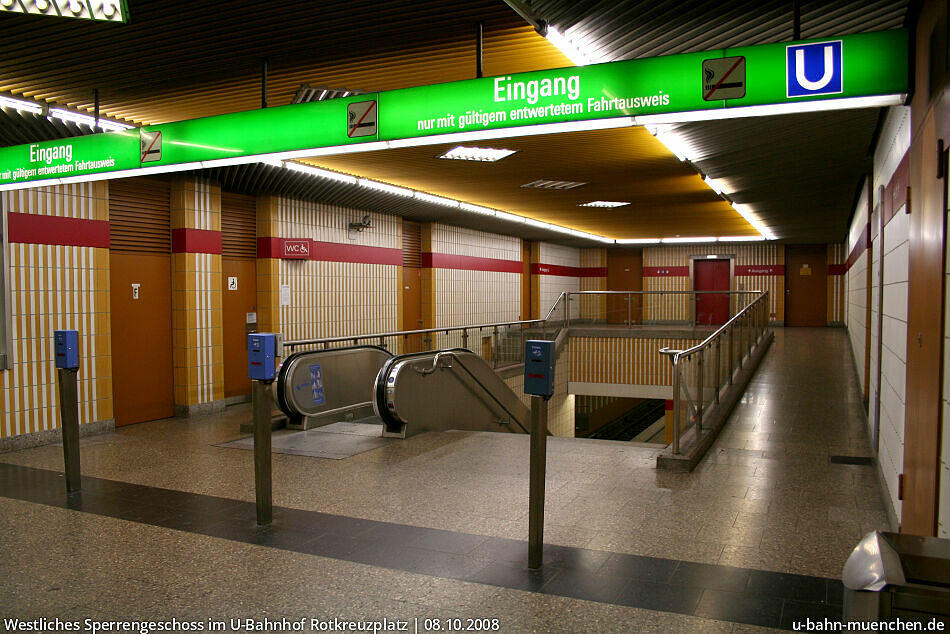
[[740, 543]]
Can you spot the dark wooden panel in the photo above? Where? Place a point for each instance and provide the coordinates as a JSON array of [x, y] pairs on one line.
[[806, 285], [624, 273]]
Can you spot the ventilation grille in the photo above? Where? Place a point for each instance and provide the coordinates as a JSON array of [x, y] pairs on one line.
[[140, 216], [411, 244], [542, 184], [238, 226]]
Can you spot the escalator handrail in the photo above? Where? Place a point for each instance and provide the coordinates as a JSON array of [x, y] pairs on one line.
[[381, 378], [384, 372], [286, 364]]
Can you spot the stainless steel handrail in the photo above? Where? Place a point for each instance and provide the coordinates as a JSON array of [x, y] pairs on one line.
[[423, 331], [756, 306]]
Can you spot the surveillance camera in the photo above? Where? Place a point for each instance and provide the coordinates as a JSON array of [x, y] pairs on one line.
[[367, 221]]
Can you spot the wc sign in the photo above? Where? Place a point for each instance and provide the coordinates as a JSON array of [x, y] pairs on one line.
[[813, 69]]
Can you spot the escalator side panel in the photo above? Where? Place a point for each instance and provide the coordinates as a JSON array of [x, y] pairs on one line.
[[324, 381], [443, 390]]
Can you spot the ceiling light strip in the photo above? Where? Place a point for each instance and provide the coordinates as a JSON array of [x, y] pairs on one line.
[[825, 105]]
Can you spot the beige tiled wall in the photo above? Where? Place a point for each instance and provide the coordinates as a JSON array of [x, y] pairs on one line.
[[53, 287]]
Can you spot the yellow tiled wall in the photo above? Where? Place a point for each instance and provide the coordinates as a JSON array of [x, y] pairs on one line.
[[53, 287]]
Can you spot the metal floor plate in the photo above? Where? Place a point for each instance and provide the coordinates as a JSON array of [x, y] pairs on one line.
[[334, 441]]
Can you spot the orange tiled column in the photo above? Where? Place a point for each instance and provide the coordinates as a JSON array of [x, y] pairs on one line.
[[196, 300]]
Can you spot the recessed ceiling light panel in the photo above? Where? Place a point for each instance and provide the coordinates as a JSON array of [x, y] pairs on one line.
[[604, 203], [543, 184], [484, 154]]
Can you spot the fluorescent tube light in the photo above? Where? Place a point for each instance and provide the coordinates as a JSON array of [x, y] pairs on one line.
[[477, 209], [21, 105], [320, 173], [637, 241], [672, 141], [531, 222], [485, 154], [384, 187], [604, 203], [823, 105], [84, 119], [100, 10], [714, 185], [572, 51], [741, 239], [687, 240], [436, 200], [752, 219]]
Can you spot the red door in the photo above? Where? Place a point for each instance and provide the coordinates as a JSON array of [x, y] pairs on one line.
[[711, 275]]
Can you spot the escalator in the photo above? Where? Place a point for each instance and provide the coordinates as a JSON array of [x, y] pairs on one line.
[[319, 387], [410, 394], [445, 389]]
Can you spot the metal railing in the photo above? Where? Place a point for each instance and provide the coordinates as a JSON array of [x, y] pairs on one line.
[[502, 344], [635, 308], [700, 373]]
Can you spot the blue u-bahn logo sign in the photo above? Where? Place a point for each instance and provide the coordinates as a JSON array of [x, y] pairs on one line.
[[814, 69]]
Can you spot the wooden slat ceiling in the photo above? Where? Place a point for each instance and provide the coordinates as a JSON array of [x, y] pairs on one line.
[[667, 197], [178, 59]]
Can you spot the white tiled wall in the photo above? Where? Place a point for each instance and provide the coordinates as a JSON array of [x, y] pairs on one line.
[[465, 297], [894, 353], [551, 286], [857, 287], [893, 244], [331, 299]]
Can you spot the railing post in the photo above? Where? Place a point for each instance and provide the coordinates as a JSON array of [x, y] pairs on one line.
[[495, 347], [427, 340], [676, 407], [700, 371], [732, 345], [718, 365], [465, 338], [567, 310], [629, 311]]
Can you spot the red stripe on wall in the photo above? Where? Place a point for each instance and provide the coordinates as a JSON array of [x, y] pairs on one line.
[[71, 232], [567, 271], [666, 271], [669, 405], [859, 247], [196, 241], [334, 252], [760, 269], [836, 269], [354, 254], [469, 263]]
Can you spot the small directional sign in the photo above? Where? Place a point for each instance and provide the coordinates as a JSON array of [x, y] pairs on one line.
[[151, 145], [361, 118], [723, 78]]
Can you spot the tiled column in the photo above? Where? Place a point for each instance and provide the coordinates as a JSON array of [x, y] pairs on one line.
[[57, 268], [196, 300], [594, 271], [268, 266]]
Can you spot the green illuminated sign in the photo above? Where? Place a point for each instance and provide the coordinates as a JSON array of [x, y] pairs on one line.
[[860, 65], [77, 156]]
